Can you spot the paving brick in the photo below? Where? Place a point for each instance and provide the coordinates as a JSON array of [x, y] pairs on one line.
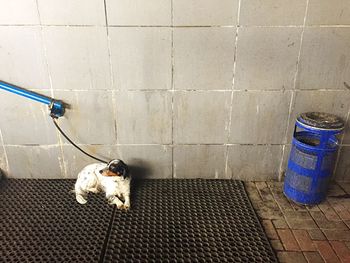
[[291, 257], [297, 215], [304, 240], [339, 207], [298, 207], [313, 257], [335, 190], [324, 223], [335, 234], [269, 211], [328, 211], [264, 191], [313, 208], [254, 195], [277, 245], [296, 223], [327, 252], [342, 251], [347, 244], [345, 186], [316, 234], [261, 185], [280, 223], [288, 240], [269, 229]]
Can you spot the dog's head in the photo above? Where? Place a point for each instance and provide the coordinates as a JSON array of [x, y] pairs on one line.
[[116, 168]]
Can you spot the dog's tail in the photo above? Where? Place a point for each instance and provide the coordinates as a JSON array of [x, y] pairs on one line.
[[80, 195]]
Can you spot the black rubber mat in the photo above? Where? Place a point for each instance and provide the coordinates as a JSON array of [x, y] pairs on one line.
[[188, 221], [40, 221], [170, 221]]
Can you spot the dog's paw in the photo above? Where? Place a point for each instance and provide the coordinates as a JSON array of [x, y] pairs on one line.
[[80, 199], [125, 207]]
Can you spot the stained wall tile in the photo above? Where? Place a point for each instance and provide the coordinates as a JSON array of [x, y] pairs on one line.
[[199, 161]]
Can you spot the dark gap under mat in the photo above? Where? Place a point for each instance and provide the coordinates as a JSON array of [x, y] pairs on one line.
[[188, 221], [170, 221], [40, 221]]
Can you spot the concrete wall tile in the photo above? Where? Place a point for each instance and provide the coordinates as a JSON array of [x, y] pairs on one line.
[[139, 12], [77, 12], [272, 12], [325, 12], [199, 161], [324, 60], [346, 139], [23, 121], [144, 117], [90, 118], [272, 63], [3, 161], [343, 169], [259, 117], [203, 13], [201, 117], [78, 57], [22, 57], [146, 161], [18, 12], [203, 58], [34, 161], [141, 58], [254, 162]]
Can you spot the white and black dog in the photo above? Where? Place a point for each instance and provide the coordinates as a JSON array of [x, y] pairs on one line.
[[113, 179]]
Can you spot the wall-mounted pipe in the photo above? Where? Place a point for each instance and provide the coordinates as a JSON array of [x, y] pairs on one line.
[[56, 107]]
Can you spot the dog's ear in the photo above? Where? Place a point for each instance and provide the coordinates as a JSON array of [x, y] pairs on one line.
[[125, 171]]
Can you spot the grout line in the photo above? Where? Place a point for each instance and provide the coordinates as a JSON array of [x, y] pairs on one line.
[[140, 144], [113, 97], [191, 90], [173, 172], [181, 26], [232, 90], [293, 97], [341, 146], [5, 153], [61, 160]]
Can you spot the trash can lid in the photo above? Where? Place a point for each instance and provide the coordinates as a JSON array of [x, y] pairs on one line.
[[321, 120]]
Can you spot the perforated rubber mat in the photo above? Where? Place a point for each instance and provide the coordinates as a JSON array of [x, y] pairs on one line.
[[188, 221], [40, 221], [170, 221]]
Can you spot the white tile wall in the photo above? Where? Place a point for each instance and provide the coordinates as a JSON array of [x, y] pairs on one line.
[[272, 63], [141, 58], [67, 12], [205, 12], [139, 12], [23, 57], [184, 89], [18, 12], [144, 117], [78, 57], [203, 58], [201, 117]]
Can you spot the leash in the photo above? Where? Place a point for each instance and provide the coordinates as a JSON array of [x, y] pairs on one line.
[[76, 146]]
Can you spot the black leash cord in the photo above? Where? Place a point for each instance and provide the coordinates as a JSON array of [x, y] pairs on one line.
[[76, 146]]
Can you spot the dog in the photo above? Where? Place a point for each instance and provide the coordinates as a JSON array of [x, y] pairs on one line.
[[113, 179]]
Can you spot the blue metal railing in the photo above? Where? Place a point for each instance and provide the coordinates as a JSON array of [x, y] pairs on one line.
[[56, 107]]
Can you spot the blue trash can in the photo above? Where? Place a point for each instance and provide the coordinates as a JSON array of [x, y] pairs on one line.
[[312, 157]]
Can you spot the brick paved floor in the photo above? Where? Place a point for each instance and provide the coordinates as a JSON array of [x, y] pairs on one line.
[[304, 234]]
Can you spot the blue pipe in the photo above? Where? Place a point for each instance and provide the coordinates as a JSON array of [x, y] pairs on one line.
[[56, 107]]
